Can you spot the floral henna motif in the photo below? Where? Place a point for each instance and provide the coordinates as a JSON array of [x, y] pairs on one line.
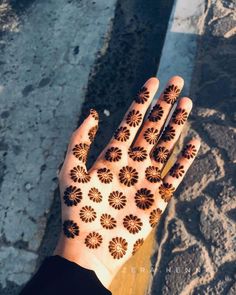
[[87, 214], [142, 96], [156, 113], [105, 175], [107, 221], [118, 247], [154, 217], [113, 154], [78, 174], [134, 118], [168, 134], [166, 191], [177, 170], [95, 195], [189, 151], [80, 151], [151, 135], [70, 229], [128, 176], [117, 200], [93, 240], [92, 132], [137, 245], [132, 223], [160, 154], [171, 94], [180, 116], [137, 153], [122, 134], [94, 114], [72, 196], [144, 199], [153, 174]]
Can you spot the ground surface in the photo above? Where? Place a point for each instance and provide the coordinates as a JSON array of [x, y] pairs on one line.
[[101, 54]]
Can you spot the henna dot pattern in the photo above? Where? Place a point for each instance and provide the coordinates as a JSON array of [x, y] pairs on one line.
[[107, 221], [87, 214], [93, 240], [70, 229], [105, 175], [118, 247], [151, 135], [122, 134], [78, 174], [154, 217], [117, 200], [160, 154], [72, 195], [113, 154], [166, 191], [168, 134], [153, 174], [144, 199], [189, 151], [80, 151], [92, 132], [180, 116], [132, 223], [128, 176], [137, 153], [177, 170], [142, 96], [134, 118], [95, 195], [156, 113], [171, 94], [94, 114], [137, 245]]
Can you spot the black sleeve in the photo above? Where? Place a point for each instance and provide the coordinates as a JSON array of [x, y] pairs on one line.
[[60, 276]]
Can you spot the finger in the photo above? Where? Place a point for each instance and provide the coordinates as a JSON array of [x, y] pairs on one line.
[[163, 149], [176, 174], [133, 118], [159, 113]]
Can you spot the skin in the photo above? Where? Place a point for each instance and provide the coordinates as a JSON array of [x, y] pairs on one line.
[[133, 160]]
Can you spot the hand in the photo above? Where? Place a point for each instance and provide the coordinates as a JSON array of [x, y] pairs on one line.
[[108, 211]]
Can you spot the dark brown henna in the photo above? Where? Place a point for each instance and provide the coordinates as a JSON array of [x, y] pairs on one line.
[[154, 217], [117, 200], [93, 240], [171, 94], [80, 151], [72, 195], [137, 245], [168, 134], [189, 151], [177, 170], [94, 114], [180, 116], [161, 154], [78, 174], [153, 174], [142, 96], [107, 221], [144, 199], [137, 153], [128, 176], [132, 223], [70, 229], [105, 175], [134, 118], [95, 195], [92, 133], [156, 113], [166, 191], [118, 247], [87, 214], [151, 135], [113, 154], [122, 134]]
